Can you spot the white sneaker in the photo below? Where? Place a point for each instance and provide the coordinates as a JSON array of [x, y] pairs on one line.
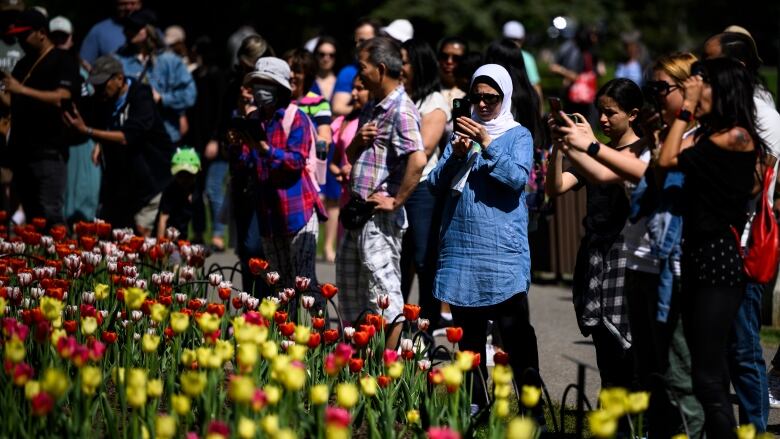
[[773, 376], [490, 351], [773, 403]]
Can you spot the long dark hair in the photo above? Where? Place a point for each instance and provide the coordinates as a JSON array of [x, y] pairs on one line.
[[626, 94], [301, 60], [422, 58], [732, 98], [525, 100], [327, 39]]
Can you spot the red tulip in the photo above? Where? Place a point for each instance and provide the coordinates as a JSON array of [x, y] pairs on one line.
[[330, 336], [108, 337], [355, 365], [501, 357], [224, 293], [329, 290], [314, 340], [411, 312], [442, 433], [237, 303], [454, 334], [42, 403], [280, 317], [361, 338], [216, 308], [383, 381], [257, 265], [337, 416], [287, 329], [317, 322], [390, 356], [39, 223], [70, 326]]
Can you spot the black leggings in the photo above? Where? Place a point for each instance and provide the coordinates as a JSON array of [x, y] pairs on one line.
[[511, 317], [708, 313]]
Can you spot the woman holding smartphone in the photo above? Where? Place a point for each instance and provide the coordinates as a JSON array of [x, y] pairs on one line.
[[484, 261]]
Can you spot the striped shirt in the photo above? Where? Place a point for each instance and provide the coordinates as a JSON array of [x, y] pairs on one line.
[[381, 166]]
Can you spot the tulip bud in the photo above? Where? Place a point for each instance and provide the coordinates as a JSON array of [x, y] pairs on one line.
[[307, 301], [215, 279], [302, 283], [423, 324], [383, 301], [136, 315], [272, 277], [88, 297], [349, 331]]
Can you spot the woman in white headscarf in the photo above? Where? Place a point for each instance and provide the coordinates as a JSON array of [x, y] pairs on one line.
[[484, 264]]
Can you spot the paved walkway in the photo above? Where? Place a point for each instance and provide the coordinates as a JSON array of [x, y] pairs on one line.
[[559, 338]]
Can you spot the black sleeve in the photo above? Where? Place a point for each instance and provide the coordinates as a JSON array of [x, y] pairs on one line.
[[167, 199], [141, 115], [68, 75], [580, 180]]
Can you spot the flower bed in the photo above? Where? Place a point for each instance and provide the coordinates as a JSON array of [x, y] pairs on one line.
[[111, 334]]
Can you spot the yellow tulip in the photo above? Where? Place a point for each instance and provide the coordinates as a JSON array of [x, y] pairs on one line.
[[208, 322], [134, 298], [91, 377], [272, 394], [464, 360], [137, 378], [165, 427], [159, 312], [268, 308], [297, 352], [246, 333], [56, 335], [521, 428], [224, 350], [32, 388], [501, 408], [14, 350], [270, 424], [336, 432], [502, 374], [241, 389], [413, 416], [193, 383], [602, 423], [638, 402], [319, 394], [346, 395], [3, 304], [270, 350], [614, 401], [452, 375], [246, 428], [118, 374], [181, 404], [502, 391], [302, 334], [286, 433], [179, 322], [51, 308], [101, 291], [188, 356], [150, 342], [680, 436], [247, 355], [88, 325], [207, 358], [395, 370], [294, 378], [369, 385], [136, 396], [154, 388], [279, 366], [747, 431], [57, 323], [55, 382], [529, 396]]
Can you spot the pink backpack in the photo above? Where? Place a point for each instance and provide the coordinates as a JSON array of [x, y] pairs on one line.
[[316, 168]]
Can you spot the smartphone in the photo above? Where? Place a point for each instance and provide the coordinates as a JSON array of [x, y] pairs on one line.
[[461, 107], [556, 107]]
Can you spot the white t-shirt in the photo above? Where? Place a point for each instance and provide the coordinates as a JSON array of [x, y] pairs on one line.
[[768, 127], [434, 101], [635, 236]]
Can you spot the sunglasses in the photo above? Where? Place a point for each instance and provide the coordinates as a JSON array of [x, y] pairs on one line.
[[326, 54], [487, 98], [659, 88], [448, 57]]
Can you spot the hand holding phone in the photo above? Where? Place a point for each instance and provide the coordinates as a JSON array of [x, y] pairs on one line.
[[461, 107], [556, 107]]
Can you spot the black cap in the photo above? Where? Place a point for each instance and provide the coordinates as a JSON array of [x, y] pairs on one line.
[[28, 20], [103, 69], [140, 19]]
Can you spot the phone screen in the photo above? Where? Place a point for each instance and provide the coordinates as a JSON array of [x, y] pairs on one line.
[[460, 108], [555, 108]]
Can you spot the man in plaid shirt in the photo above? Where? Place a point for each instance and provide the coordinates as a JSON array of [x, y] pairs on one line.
[[288, 203], [388, 159]]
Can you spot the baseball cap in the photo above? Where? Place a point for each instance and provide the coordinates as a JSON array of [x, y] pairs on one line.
[[401, 30], [271, 69], [185, 159], [27, 21], [61, 24], [174, 34], [103, 69], [514, 30]]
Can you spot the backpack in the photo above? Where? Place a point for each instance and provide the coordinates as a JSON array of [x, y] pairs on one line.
[[316, 168], [762, 255]]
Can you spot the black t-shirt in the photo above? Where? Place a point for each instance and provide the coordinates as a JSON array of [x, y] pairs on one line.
[[176, 202], [607, 207], [37, 129], [717, 189], [141, 169]]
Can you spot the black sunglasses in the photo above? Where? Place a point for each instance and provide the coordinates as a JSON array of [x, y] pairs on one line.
[[447, 56], [659, 88], [488, 98]]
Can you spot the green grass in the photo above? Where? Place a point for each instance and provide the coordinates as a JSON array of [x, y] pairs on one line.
[[770, 336]]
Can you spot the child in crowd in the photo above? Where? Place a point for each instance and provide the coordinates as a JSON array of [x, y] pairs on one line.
[[176, 202]]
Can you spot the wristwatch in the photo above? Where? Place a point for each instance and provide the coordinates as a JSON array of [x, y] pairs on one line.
[[684, 115], [594, 148]]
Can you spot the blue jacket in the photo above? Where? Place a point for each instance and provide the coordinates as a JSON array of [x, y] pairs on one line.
[[168, 75], [104, 38], [664, 227], [484, 257]]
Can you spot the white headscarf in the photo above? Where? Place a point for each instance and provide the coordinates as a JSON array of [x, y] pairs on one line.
[[504, 121]]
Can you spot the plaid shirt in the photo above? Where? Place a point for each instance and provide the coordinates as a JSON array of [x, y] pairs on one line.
[[286, 195], [379, 168]]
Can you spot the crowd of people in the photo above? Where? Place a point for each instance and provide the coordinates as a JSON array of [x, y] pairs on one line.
[[423, 160]]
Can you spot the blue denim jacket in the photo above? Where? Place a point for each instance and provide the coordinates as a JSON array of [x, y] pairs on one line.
[[168, 75], [484, 257], [664, 226]]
